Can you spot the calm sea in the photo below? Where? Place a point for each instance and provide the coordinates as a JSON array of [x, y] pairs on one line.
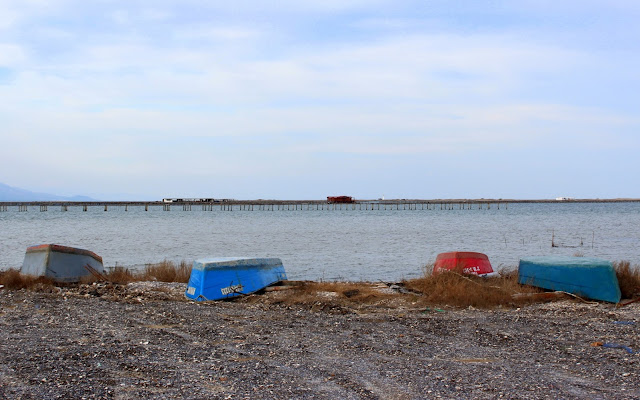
[[336, 244]]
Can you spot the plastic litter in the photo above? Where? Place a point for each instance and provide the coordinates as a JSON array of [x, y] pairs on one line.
[[613, 346], [618, 346], [624, 322], [432, 309]]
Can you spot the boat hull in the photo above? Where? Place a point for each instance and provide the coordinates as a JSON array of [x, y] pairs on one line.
[[465, 262], [229, 277], [60, 263], [592, 278]]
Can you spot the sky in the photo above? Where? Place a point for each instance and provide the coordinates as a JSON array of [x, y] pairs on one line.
[[425, 99]]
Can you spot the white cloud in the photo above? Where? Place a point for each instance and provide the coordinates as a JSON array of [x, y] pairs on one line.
[[217, 33], [12, 55], [132, 87]]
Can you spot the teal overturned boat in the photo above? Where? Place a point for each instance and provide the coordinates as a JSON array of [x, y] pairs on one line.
[[592, 278], [227, 277]]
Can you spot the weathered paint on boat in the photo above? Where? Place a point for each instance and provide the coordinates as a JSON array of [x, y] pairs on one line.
[[61, 263], [466, 262], [227, 277], [592, 278]]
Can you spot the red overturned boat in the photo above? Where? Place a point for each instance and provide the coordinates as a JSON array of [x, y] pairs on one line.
[[465, 262]]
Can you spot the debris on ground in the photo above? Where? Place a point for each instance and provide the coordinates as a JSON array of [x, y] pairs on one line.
[[144, 340]]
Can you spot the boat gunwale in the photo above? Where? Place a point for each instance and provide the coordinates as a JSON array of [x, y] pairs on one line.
[[63, 249], [461, 255], [237, 262]]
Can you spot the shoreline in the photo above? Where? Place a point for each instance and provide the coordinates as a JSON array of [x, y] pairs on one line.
[[145, 340]]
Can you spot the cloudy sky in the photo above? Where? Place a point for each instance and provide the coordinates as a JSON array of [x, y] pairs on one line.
[[304, 99]]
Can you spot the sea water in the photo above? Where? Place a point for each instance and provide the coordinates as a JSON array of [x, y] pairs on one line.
[[331, 244]]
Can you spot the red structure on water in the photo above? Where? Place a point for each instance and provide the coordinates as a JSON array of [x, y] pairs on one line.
[[340, 199]]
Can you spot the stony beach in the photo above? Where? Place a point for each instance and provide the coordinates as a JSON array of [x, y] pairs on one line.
[[144, 340]]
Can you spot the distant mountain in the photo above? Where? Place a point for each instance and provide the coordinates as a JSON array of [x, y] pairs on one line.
[[9, 193]]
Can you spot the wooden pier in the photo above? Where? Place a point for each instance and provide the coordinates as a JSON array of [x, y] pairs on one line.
[[293, 205]]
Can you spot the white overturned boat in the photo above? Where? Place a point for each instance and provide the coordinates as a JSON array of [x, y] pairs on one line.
[[60, 263]]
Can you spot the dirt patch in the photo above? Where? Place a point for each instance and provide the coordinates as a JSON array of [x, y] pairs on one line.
[[144, 340]]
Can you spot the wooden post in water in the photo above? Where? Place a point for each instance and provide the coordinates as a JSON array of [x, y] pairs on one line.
[[106, 208]]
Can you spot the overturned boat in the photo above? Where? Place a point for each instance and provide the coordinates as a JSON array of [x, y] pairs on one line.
[[227, 277], [592, 278], [464, 262], [60, 263]]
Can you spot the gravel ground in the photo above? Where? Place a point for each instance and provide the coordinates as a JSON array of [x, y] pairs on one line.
[[144, 341]]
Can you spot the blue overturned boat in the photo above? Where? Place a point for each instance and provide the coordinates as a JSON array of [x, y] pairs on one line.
[[221, 278], [592, 278]]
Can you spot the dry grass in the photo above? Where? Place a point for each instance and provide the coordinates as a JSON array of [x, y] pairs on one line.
[[628, 279], [444, 289], [167, 271], [334, 294], [121, 275], [458, 290], [13, 279]]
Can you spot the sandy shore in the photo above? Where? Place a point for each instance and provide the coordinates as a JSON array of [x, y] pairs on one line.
[[144, 341]]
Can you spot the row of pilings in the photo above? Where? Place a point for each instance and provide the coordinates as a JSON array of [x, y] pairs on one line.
[[293, 205], [261, 206]]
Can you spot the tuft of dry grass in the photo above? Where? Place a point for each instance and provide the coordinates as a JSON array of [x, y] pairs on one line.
[[121, 275], [13, 279], [454, 289], [167, 271], [628, 279]]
